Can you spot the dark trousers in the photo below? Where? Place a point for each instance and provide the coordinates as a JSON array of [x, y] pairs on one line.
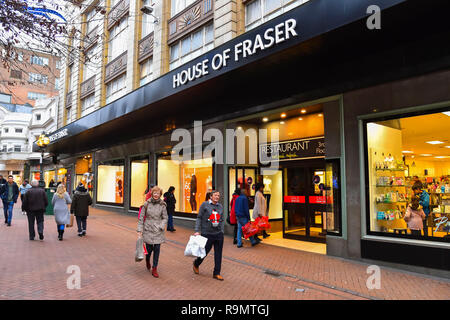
[[39, 217], [217, 242], [415, 232], [155, 248], [425, 227], [81, 223], [235, 232], [170, 221], [193, 201]]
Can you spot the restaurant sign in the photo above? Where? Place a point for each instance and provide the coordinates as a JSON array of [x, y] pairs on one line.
[[311, 148]]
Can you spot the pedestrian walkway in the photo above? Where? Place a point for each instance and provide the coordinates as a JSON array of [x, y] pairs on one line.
[[37, 270]]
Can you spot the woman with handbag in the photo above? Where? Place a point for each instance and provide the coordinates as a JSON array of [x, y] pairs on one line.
[[62, 214], [151, 227]]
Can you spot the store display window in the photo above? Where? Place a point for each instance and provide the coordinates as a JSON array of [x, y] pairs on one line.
[[84, 174], [49, 176], [110, 182], [139, 181], [332, 214], [192, 181], [408, 159]]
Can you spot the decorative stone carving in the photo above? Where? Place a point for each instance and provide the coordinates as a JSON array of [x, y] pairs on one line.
[[184, 22], [87, 87], [116, 67], [146, 47], [90, 39], [118, 12]]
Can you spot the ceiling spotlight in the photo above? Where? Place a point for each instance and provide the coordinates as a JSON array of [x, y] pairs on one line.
[[303, 111], [435, 142], [281, 122], [265, 119], [442, 157], [407, 152], [283, 115], [447, 147], [426, 155], [320, 114], [300, 118], [447, 113], [239, 128]]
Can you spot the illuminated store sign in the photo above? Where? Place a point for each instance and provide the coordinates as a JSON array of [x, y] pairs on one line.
[[294, 149], [264, 40]]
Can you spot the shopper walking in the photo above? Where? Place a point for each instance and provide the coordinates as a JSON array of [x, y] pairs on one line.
[[151, 227], [80, 208], [260, 208], [9, 195], [424, 201], [61, 211], [210, 224], [232, 217], [414, 216], [22, 190], [34, 203], [243, 217], [170, 200]]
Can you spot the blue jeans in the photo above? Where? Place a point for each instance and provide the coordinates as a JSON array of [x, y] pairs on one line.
[[242, 222], [170, 221], [8, 210]]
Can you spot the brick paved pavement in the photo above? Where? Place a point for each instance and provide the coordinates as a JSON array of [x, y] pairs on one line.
[[37, 270]]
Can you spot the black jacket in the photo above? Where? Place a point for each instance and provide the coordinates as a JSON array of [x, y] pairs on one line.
[[34, 200], [80, 203], [5, 191], [169, 199]]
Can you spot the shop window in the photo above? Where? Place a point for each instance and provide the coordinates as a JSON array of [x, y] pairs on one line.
[[83, 172], [192, 46], [49, 176], [332, 215], [192, 181], [139, 181], [110, 182], [408, 158], [259, 11]]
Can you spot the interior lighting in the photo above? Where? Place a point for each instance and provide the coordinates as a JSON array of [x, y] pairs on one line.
[[435, 142], [265, 119]]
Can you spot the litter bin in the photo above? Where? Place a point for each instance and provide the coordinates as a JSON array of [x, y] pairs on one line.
[[49, 192]]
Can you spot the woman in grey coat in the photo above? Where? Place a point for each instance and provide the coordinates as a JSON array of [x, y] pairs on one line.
[[152, 225], [62, 214]]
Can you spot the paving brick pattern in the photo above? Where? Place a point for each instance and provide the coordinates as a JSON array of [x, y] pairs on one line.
[[37, 270]]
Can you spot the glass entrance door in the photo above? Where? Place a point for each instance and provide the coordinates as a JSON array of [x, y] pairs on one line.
[[304, 202]]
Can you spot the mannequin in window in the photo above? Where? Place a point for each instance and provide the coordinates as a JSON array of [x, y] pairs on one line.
[[193, 192]]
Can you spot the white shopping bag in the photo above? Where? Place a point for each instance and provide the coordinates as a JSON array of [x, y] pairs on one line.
[[196, 247]]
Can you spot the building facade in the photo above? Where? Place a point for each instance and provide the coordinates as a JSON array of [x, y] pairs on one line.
[[360, 114], [32, 75]]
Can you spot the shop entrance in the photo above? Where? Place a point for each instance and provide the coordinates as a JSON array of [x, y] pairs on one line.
[[304, 200]]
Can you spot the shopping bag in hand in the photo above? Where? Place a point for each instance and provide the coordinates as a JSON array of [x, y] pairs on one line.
[[250, 229], [71, 222], [139, 250], [263, 223], [196, 247]]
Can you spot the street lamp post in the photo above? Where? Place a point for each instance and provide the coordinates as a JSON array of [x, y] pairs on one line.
[[42, 142]]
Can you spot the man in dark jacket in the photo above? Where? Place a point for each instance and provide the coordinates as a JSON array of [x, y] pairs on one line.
[[169, 199], [210, 222], [34, 204], [80, 207], [243, 216], [9, 194]]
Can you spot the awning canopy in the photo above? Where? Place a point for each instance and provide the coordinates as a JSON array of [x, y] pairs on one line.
[[334, 51]]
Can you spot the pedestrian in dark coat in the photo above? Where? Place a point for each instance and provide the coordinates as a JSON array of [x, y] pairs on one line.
[[34, 204], [80, 208], [169, 199], [9, 194]]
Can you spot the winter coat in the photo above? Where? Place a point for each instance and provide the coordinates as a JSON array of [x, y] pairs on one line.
[[80, 203], [241, 207], [414, 218], [5, 192], [169, 199], [60, 209], [154, 226], [232, 211], [35, 200], [260, 207]]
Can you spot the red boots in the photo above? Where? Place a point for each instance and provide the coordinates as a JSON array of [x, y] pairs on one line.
[[155, 272]]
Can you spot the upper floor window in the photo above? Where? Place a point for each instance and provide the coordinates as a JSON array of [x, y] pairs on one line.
[[38, 117], [36, 95], [115, 88], [36, 77], [58, 64], [148, 25], [42, 61], [17, 148], [57, 83], [91, 64], [18, 130], [260, 11], [17, 74], [6, 130], [179, 5], [195, 44], [92, 20], [146, 71], [88, 102], [118, 39]]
